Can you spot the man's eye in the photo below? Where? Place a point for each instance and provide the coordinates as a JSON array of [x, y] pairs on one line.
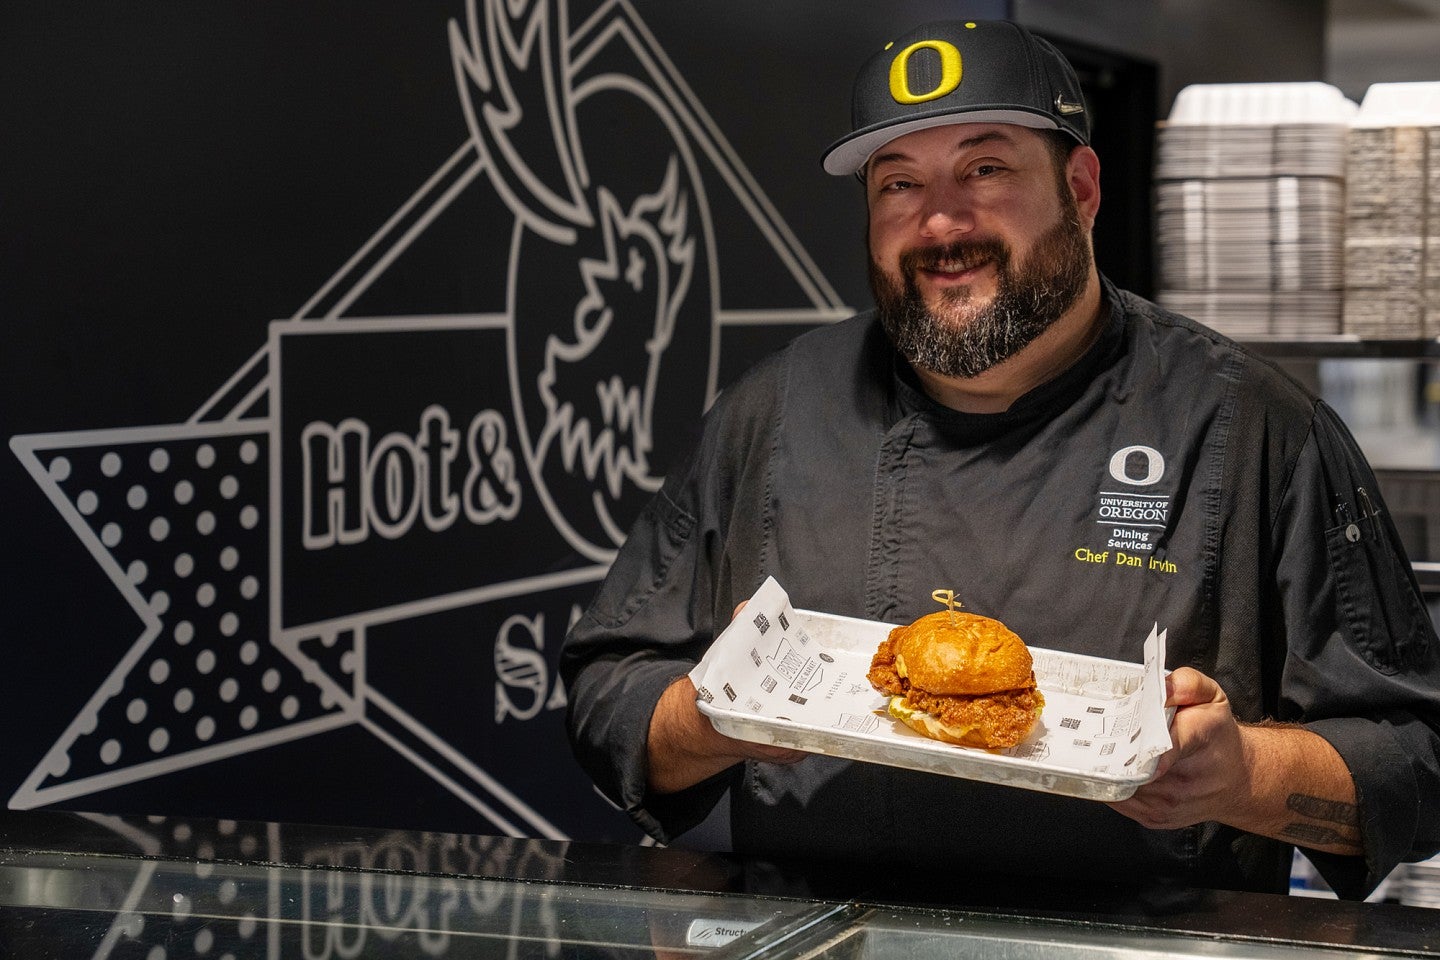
[[986, 169], [898, 185]]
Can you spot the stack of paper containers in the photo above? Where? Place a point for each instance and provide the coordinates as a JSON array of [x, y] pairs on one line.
[[1392, 214], [1249, 204], [1419, 883]]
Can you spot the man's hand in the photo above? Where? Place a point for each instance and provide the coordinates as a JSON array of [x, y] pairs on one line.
[[1277, 781], [1205, 770], [684, 748]]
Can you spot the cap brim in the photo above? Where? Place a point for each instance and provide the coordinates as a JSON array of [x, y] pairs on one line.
[[849, 154]]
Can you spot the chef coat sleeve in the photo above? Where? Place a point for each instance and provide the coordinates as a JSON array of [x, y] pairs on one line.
[[1362, 664], [648, 625]]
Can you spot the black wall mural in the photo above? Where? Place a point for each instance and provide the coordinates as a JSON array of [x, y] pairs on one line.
[[343, 343]]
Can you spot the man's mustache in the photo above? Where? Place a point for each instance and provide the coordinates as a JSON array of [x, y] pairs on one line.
[[962, 254]]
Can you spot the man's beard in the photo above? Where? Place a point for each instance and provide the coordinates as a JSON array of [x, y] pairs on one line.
[[962, 339]]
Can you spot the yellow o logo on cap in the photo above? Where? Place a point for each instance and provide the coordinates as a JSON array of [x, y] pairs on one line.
[[949, 72]]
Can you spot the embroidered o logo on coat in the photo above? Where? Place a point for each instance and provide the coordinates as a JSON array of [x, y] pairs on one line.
[[1138, 466]]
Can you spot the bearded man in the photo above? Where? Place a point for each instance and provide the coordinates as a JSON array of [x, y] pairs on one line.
[[977, 429]]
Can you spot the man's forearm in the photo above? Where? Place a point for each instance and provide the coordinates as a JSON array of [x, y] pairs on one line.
[[1300, 790], [1276, 780], [678, 735], [684, 748]]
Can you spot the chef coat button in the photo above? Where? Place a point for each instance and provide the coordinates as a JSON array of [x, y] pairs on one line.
[[1352, 533]]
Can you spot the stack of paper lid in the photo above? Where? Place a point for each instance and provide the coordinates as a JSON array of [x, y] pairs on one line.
[[1392, 213], [1250, 207]]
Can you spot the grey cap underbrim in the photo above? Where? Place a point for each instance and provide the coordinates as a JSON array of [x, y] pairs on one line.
[[851, 153]]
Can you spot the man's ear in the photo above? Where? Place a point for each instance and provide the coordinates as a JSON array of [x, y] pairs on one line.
[[1082, 173]]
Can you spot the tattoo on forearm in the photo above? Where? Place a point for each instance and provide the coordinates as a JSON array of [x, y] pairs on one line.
[[1329, 811], [1307, 834], [1332, 811]]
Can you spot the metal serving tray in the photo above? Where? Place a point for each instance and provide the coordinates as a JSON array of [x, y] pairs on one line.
[[1083, 695]]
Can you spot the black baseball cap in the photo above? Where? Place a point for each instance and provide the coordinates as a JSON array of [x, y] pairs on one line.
[[959, 71]]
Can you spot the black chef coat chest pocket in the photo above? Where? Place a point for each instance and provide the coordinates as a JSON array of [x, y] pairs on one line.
[[1377, 607]]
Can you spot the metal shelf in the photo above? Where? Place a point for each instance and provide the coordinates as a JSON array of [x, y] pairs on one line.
[[1342, 346], [1427, 572]]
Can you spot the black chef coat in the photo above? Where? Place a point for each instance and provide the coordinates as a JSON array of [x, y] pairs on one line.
[[1169, 476]]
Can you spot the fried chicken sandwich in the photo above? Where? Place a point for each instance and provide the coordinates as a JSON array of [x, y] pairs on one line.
[[959, 677]]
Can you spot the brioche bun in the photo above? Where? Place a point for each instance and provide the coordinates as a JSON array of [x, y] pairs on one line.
[[961, 653]]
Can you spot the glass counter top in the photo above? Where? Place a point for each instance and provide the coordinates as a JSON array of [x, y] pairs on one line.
[[153, 888], [53, 905]]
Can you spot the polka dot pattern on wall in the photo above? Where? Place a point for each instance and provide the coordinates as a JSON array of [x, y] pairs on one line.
[[183, 522]]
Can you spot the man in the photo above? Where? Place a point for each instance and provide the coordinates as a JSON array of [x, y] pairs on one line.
[[1074, 461]]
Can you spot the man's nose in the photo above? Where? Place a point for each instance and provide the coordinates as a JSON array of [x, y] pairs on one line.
[[948, 214]]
